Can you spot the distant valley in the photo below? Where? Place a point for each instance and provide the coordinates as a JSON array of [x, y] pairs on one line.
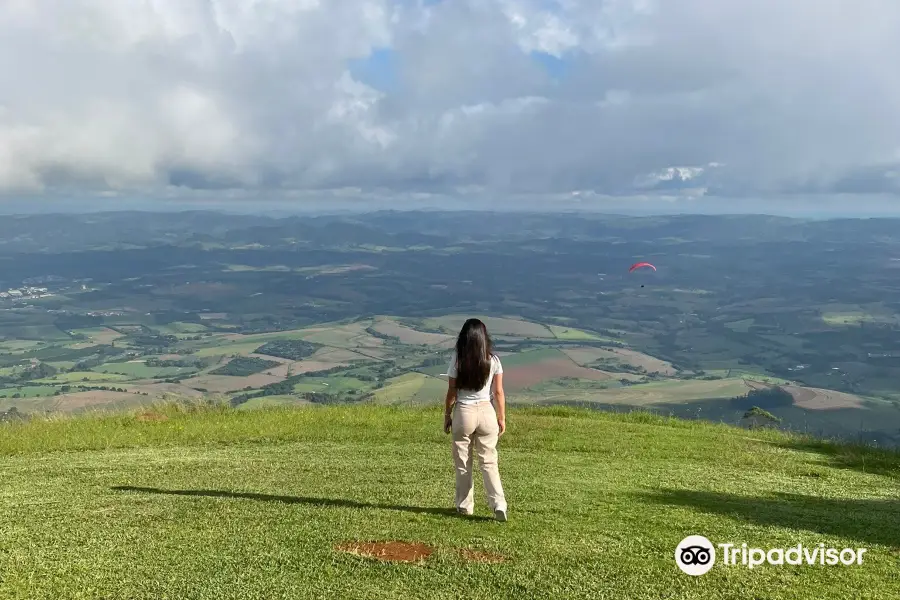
[[118, 310]]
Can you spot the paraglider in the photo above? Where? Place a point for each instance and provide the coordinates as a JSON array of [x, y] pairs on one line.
[[640, 265]]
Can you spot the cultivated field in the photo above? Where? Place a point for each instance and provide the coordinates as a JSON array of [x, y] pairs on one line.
[[656, 393], [95, 399], [412, 388], [586, 356], [302, 366], [407, 335], [451, 324], [819, 399], [227, 383], [550, 364], [523, 377], [100, 335], [572, 334]]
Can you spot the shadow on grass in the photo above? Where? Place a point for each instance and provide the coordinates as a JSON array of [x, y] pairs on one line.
[[872, 521], [847, 456], [331, 502]]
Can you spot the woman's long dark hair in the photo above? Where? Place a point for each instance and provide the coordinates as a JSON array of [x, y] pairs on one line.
[[473, 356]]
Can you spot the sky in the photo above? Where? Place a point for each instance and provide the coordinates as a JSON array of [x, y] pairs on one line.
[[657, 105]]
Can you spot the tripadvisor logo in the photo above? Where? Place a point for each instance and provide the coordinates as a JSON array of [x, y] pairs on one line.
[[696, 555]]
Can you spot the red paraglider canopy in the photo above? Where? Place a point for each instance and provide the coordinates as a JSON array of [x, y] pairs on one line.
[[636, 266]]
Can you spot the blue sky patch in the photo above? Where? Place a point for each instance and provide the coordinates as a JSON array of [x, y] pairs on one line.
[[557, 68], [378, 70]]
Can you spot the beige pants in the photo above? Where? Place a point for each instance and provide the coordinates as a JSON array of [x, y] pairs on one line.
[[476, 424]]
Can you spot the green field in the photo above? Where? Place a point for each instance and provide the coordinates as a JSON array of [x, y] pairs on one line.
[[412, 388], [332, 385], [15, 346], [82, 376], [528, 357], [571, 334], [122, 508], [451, 324], [62, 364], [179, 327], [645, 394], [28, 391], [742, 326], [405, 381], [139, 370], [855, 318]]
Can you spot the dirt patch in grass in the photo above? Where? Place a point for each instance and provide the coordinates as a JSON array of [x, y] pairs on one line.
[[388, 551], [819, 399], [535, 373], [481, 556]]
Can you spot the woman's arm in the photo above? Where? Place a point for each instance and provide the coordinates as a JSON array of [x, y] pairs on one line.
[[448, 404], [500, 402]]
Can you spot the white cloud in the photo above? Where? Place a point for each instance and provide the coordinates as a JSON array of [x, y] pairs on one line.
[[735, 98]]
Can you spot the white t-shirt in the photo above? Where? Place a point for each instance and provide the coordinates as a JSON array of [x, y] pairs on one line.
[[472, 396]]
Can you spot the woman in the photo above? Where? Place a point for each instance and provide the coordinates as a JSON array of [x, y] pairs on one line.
[[475, 375]]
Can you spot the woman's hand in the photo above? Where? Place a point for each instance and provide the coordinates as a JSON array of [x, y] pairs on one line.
[[501, 422], [448, 423]]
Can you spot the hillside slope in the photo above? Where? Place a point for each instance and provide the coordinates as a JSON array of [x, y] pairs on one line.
[[220, 504]]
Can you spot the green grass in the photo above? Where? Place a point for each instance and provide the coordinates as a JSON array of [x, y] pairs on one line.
[[62, 364], [412, 388], [16, 346], [855, 318], [331, 385], [141, 370], [80, 376], [180, 327], [572, 334], [28, 391], [528, 357], [507, 326], [742, 326], [249, 504], [519, 359], [269, 402]]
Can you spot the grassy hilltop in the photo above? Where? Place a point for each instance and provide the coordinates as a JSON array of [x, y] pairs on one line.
[[222, 503]]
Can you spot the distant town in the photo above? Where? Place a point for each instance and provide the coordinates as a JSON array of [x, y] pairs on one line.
[[26, 293]]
